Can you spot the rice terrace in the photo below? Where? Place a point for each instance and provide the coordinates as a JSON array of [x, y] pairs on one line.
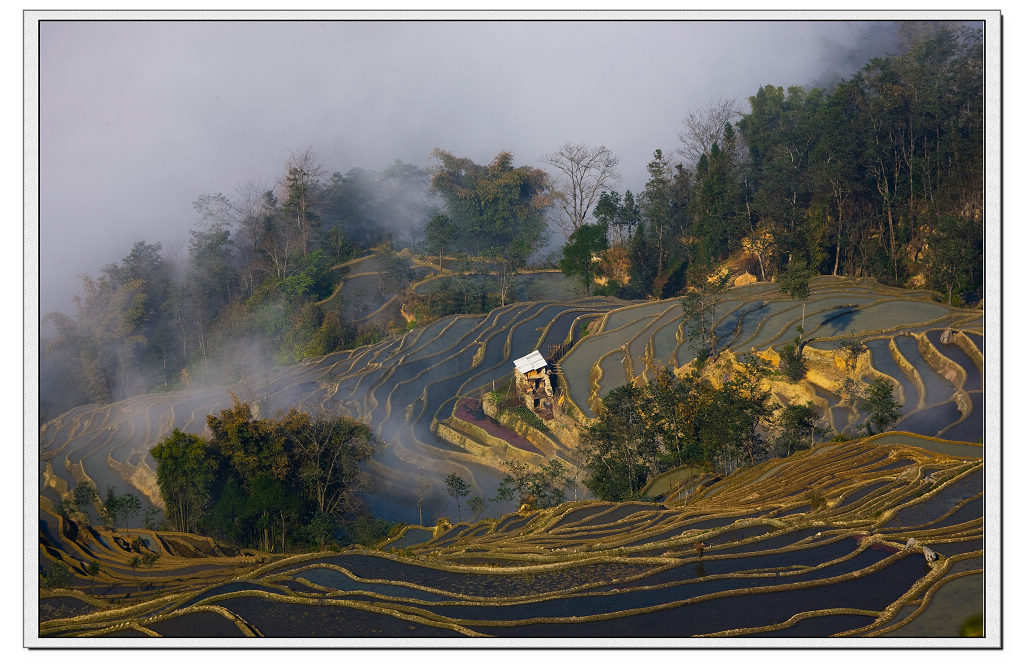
[[746, 401]]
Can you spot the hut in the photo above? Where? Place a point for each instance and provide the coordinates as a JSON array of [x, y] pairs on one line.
[[533, 383]]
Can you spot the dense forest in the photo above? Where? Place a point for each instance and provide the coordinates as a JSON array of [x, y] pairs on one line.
[[880, 175]]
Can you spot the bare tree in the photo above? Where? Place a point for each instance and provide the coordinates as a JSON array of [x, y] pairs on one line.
[[302, 188], [248, 208], [421, 494], [703, 127], [583, 173]]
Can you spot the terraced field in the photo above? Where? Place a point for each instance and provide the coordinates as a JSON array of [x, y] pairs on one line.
[[527, 286], [401, 387], [940, 385], [362, 296], [879, 537], [406, 388]]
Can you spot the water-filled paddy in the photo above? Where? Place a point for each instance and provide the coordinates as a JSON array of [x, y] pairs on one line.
[[973, 426], [951, 449], [882, 360], [936, 388], [820, 626], [295, 620], [958, 355], [949, 609], [945, 500], [332, 579], [884, 316], [870, 592], [56, 607], [199, 624], [931, 421], [771, 326], [750, 325]]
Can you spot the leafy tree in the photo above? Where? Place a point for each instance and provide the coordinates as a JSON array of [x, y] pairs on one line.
[[208, 285], [329, 452], [302, 187], [620, 447], [497, 209], [440, 236], [675, 421], [796, 282], [265, 482], [117, 508], [791, 361], [643, 257], [663, 205], [579, 255], [699, 310], [883, 410], [797, 428], [83, 497], [476, 504], [955, 258], [718, 204], [541, 487], [620, 213], [456, 487], [185, 472]]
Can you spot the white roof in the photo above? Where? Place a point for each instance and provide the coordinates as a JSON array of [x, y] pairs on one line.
[[531, 362]]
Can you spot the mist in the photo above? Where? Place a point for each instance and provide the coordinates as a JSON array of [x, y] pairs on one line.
[[137, 119]]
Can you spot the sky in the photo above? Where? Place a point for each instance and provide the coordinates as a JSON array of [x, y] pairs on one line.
[[139, 118]]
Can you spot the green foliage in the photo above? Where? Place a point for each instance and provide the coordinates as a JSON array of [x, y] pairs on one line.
[[791, 361], [541, 487], [476, 504], [578, 256], [451, 295], [699, 311], [368, 531], [441, 237], [796, 424], [496, 209], [256, 479], [879, 402], [955, 261], [643, 430], [456, 487], [56, 576], [795, 281], [186, 466], [530, 418], [620, 448], [83, 496], [118, 508], [852, 348]]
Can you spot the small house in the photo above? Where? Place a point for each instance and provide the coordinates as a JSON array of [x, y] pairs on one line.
[[533, 383]]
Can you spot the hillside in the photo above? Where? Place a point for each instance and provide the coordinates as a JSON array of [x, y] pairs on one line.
[[879, 537], [406, 387]]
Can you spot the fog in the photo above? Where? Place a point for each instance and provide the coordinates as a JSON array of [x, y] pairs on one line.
[[137, 119]]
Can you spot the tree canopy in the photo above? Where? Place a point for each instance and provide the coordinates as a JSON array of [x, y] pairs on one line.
[[257, 480]]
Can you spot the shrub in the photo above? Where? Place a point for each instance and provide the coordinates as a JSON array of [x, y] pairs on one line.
[[882, 408], [530, 418], [791, 362], [57, 576]]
